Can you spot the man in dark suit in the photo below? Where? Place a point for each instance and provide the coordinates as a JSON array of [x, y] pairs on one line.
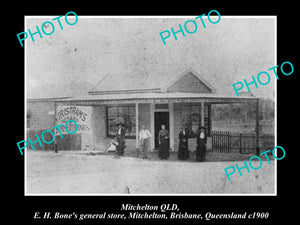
[[120, 136], [201, 145]]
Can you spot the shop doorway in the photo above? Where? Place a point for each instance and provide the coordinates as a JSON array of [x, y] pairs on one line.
[[159, 119]]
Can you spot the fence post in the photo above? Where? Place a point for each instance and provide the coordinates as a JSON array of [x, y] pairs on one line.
[[228, 141], [240, 143], [222, 141], [219, 140], [216, 140]]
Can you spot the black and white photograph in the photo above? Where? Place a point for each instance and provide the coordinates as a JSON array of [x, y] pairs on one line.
[[130, 116], [152, 118]]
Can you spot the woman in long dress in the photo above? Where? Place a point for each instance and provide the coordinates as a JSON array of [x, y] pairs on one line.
[[183, 149], [201, 145], [163, 139]]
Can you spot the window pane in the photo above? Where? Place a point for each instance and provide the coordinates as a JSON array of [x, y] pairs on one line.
[[112, 111], [123, 111], [120, 111], [131, 110], [130, 130], [126, 111], [112, 126], [129, 123], [125, 114]]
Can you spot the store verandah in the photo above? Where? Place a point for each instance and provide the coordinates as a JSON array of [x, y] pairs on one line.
[[151, 109]]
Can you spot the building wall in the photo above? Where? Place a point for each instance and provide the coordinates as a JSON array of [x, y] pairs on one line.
[[98, 140], [99, 129], [87, 141], [189, 83], [39, 118]]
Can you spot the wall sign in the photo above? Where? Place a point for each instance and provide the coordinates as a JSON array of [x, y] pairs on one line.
[[81, 114]]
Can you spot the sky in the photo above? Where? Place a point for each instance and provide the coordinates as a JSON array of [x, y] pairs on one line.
[[70, 62]]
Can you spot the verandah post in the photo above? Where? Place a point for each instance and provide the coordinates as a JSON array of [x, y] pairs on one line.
[[257, 128], [202, 113], [137, 128]]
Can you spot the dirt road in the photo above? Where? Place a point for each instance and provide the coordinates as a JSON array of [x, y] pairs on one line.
[[73, 173]]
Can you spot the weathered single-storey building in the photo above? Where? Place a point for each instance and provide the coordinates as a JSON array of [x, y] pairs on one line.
[[187, 99]]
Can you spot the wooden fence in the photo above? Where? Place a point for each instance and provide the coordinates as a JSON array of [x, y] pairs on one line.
[[221, 141], [243, 143]]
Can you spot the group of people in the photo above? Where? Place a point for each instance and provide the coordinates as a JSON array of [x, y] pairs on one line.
[[183, 149], [163, 140]]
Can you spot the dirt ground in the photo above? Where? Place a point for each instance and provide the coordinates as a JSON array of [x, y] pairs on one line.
[[69, 172]]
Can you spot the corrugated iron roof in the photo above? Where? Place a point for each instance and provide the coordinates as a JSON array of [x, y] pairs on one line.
[[141, 82], [126, 82]]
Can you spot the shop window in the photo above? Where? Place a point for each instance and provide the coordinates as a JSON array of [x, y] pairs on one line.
[[124, 114]]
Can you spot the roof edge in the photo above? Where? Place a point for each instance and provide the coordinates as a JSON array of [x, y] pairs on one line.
[[124, 91]]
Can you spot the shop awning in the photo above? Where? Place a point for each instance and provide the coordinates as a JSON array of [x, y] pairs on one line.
[[156, 97]]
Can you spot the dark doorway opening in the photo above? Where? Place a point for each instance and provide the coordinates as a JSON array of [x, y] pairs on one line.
[[159, 119]]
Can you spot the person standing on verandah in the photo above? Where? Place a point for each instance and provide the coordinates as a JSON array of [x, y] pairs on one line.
[[201, 145], [163, 140], [120, 137], [144, 138], [183, 149]]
